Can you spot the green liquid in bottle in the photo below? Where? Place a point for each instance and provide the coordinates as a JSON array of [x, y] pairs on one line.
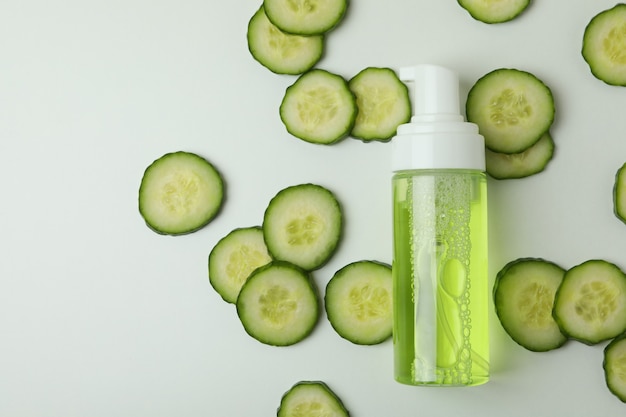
[[440, 278]]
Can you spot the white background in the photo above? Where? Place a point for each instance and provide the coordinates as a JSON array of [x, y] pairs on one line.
[[99, 316]]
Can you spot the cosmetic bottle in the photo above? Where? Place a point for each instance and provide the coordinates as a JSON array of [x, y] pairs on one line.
[[440, 292]]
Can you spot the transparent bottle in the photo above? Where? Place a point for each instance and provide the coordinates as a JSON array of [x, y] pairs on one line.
[[441, 330]]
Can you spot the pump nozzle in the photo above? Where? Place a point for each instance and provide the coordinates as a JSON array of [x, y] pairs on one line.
[[438, 136], [435, 93]]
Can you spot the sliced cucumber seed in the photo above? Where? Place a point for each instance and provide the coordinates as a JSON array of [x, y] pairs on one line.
[[597, 301], [318, 106], [508, 107], [277, 306], [305, 231], [368, 302]]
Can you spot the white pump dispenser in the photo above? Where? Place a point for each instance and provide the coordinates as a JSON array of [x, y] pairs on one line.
[[440, 280], [437, 136]]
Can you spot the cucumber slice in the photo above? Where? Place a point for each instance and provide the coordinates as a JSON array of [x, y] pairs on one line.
[[319, 107], [311, 399], [278, 304], [614, 365], [590, 304], [604, 45], [303, 225], [619, 194], [305, 17], [233, 259], [512, 108], [383, 104], [281, 52], [532, 161], [358, 302], [494, 11], [523, 295], [180, 193]]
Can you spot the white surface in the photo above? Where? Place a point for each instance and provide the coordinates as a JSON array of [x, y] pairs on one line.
[[99, 316]]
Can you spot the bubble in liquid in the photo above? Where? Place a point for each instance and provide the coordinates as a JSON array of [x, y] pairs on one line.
[[454, 278]]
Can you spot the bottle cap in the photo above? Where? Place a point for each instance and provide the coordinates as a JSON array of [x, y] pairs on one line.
[[438, 137]]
